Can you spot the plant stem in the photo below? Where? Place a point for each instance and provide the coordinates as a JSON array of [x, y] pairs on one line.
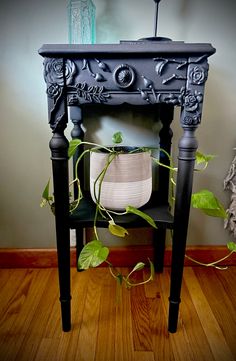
[[164, 165], [212, 264], [97, 146], [80, 196], [100, 180], [111, 267]]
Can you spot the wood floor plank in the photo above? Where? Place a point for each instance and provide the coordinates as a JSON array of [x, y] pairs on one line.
[[69, 342], [180, 344], [162, 347], [20, 311], [158, 305], [219, 347], [140, 317], [9, 346], [105, 349], [4, 276], [10, 301], [124, 349], [193, 328], [211, 284], [38, 323], [89, 331], [102, 330], [29, 294], [228, 279], [46, 350], [10, 287], [144, 356]]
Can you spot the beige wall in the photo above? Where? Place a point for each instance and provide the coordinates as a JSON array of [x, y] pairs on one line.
[[25, 166]]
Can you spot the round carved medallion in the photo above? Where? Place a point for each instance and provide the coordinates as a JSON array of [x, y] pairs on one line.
[[124, 76]]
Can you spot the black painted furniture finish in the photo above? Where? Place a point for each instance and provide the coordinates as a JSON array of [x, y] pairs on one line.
[[160, 75]]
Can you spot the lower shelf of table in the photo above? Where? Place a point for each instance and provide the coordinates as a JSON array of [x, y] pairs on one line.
[[83, 216]]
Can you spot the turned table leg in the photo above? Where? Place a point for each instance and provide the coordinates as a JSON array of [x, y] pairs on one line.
[[187, 149], [59, 147]]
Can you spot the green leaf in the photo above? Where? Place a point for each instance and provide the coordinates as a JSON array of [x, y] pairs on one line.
[[203, 158], [152, 270], [92, 255], [146, 217], [138, 267], [73, 144], [45, 193], [117, 230], [43, 203], [208, 203], [117, 138], [231, 246]]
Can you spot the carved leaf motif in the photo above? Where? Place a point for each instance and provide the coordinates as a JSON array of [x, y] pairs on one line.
[[90, 89], [72, 99], [84, 66], [103, 66], [88, 97], [147, 82], [99, 77], [173, 77], [92, 93], [160, 65], [172, 99], [96, 98], [144, 95]]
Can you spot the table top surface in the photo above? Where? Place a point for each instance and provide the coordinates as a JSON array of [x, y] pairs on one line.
[[127, 47]]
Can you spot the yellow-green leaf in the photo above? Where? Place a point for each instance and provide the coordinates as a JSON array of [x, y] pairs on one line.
[[117, 138], [73, 145], [203, 158], [92, 255], [231, 246], [138, 267], [45, 194], [207, 202], [146, 217], [117, 230]]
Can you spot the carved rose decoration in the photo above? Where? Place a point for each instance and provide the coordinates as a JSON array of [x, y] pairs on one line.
[[192, 120], [53, 71], [54, 90], [192, 100], [198, 75]]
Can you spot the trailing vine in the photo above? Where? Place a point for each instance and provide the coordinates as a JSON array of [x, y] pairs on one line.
[[94, 253]]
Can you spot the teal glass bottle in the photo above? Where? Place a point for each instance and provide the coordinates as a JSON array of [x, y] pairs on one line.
[[82, 22]]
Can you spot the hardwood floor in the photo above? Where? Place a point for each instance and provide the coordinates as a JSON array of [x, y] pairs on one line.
[[106, 330]]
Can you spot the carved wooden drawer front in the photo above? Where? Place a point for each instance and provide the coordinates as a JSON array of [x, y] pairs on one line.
[[113, 81], [144, 74]]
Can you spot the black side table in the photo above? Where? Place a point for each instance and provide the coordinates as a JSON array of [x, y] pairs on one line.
[[153, 74]]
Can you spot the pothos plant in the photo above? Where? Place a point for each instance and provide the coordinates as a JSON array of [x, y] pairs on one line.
[[94, 253]]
